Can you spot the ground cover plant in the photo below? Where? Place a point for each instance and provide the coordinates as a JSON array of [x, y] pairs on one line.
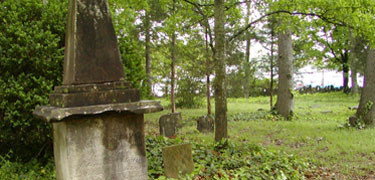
[[318, 132]]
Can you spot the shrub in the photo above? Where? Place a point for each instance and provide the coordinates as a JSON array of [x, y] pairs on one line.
[[31, 56], [189, 91], [30, 170]]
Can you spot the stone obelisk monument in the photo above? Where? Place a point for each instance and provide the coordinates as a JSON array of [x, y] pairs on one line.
[[97, 117]]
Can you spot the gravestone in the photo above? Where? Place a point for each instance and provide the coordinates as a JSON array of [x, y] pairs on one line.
[[205, 124], [97, 117], [177, 158], [326, 112], [168, 124], [353, 120]]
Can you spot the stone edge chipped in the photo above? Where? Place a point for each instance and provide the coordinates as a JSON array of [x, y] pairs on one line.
[[56, 114]]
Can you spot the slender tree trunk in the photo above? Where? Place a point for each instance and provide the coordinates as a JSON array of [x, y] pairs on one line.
[[366, 110], [208, 73], [353, 67], [247, 60], [173, 62], [271, 67], [345, 71], [148, 51], [220, 84], [285, 99], [173, 57], [246, 85], [354, 78]]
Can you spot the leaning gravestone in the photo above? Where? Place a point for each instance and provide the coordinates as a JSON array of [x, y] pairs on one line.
[[177, 158], [97, 117], [168, 124], [205, 124]]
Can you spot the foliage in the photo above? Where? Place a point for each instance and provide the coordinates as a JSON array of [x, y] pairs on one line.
[[154, 146], [235, 161], [30, 170], [133, 66], [188, 95], [31, 55]]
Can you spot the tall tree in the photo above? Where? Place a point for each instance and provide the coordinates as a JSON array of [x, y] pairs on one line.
[[272, 64], [246, 86], [353, 65], [220, 84], [285, 100], [366, 110], [208, 74], [173, 61], [147, 31]]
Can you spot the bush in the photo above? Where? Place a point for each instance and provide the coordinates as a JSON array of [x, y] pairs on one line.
[[132, 60], [189, 91], [30, 170], [31, 56]]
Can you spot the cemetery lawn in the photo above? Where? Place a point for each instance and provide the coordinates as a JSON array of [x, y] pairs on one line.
[[317, 132]]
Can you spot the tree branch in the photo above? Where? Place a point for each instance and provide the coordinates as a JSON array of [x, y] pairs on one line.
[[328, 20], [206, 5]]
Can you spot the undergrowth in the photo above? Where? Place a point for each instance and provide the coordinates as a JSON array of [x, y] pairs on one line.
[[232, 161]]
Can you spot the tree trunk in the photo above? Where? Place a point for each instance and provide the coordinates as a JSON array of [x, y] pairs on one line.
[[285, 99], [208, 73], [246, 86], [173, 59], [271, 68], [345, 71], [354, 78], [220, 84], [353, 60], [366, 110], [148, 51]]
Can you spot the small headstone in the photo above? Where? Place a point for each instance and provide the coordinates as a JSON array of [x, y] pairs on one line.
[[353, 120], [178, 159], [326, 112], [353, 108], [205, 124], [316, 106], [168, 124]]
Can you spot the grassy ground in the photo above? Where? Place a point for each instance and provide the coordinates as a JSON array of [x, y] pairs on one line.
[[316, 132]]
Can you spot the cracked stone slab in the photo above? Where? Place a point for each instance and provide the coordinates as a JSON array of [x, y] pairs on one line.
[[56, 114]]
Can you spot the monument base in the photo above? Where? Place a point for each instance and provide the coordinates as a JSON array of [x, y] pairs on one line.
[[104, 146]]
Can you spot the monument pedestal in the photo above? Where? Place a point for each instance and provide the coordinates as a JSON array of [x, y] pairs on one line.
[[106, 146], [102, 141]]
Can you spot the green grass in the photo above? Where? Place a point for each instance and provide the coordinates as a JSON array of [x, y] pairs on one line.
[[343, 153]]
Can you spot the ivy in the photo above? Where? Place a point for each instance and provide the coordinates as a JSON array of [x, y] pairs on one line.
[[229, 161]]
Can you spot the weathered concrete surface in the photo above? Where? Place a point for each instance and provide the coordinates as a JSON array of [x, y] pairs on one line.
[[56, 114], [109, 146], [168, 124], [177, 158], [93, 94], [205, 124], [94, 97], [91, 53]]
